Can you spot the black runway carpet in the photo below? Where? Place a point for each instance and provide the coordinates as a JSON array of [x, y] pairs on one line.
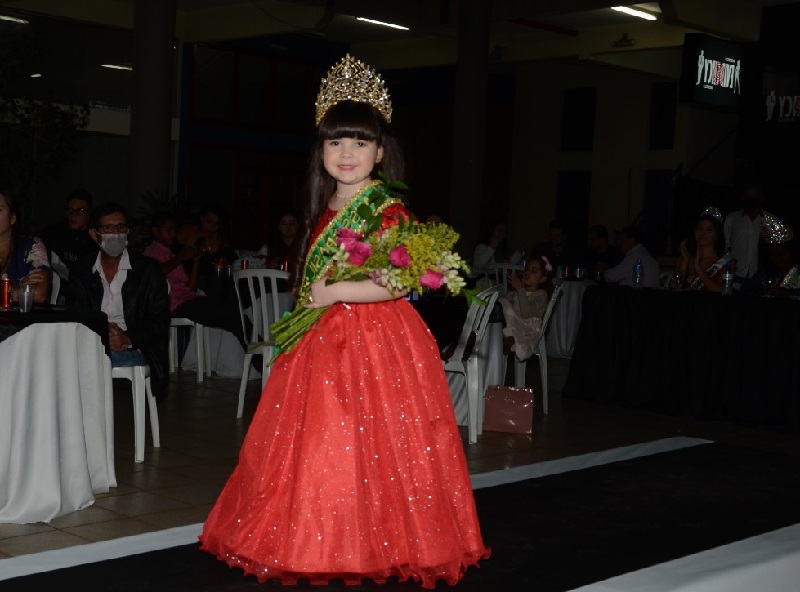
[[552, 533]]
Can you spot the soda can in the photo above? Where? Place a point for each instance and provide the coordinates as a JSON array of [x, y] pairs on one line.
[[245, 264], [5, 293]]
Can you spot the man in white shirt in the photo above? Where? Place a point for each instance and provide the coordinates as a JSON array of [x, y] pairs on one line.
[[630, 245], [742, 230]]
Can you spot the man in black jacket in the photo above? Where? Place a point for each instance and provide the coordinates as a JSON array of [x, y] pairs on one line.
[[132, 290]]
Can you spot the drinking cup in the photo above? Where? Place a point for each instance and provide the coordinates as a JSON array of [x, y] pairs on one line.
[[5, 294], [26, 292]]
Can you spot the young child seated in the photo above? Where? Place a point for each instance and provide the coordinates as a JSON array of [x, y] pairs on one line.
[[524, 307]]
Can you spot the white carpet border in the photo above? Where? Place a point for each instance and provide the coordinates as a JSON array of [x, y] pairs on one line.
[[23, 565]]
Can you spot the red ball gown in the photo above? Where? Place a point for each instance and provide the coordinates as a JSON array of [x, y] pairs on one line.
[[353, 466]]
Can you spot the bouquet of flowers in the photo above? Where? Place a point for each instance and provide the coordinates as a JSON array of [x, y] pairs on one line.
[[403, 257]]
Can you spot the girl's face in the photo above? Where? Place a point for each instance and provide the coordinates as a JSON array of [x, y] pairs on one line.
[[7, 219], [165, 233], [210, 223], [704, 233], [350, 161], [534, 275], [288, 227]]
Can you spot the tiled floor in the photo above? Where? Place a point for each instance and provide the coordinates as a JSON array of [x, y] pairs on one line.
[[200, 438]]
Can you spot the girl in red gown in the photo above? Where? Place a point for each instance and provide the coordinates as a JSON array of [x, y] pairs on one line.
[[353, 466]]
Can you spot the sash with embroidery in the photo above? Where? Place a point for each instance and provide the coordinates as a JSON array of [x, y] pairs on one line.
[[697, 283], [375, 196]]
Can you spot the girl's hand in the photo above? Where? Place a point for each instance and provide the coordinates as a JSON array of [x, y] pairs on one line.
[[684, 250], [36, 276], [320, 295], [516, 282]]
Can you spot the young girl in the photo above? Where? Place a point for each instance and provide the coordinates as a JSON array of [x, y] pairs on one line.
[[524, 307], [353, 465]]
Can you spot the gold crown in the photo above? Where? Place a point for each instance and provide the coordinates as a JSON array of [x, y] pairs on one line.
[[353, 80]]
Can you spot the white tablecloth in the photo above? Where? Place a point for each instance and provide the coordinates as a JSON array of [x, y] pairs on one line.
[[491, 353], [563, 329], [56, 422]]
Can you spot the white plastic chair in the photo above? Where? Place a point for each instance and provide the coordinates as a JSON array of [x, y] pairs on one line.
[[203, 362], [465, 358], [140, 389], [520, 366], [55, 286], [496, 274], [265, 308]]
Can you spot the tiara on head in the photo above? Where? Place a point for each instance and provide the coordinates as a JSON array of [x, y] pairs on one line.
[[774, 231], [713, 212], [352, 80]]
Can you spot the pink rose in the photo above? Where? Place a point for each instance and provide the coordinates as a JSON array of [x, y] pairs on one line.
[[431, 279], [347, 237], [358, 253], [399, 256]]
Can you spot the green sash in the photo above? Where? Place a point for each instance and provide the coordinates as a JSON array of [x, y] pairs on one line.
[[317, 264]]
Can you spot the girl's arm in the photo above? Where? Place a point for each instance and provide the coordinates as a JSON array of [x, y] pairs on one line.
[[364, 291]]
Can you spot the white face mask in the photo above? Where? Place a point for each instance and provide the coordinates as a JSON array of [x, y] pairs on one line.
[[113, 244]]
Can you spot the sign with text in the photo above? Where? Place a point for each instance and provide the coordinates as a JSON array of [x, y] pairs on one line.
[[711, 72]]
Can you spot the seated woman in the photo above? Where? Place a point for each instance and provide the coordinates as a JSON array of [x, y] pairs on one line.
[[524, 306], [703, 255], [281, 249], [23, 259], [778, 274], [216, 253], [494, 249]]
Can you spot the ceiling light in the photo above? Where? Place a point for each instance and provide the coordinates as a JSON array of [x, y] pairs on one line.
[[374, 22], [36, 75], [633, 12], [13, 19], [116, 66]]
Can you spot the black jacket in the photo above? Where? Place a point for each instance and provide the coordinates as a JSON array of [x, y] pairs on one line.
[[145, 301]]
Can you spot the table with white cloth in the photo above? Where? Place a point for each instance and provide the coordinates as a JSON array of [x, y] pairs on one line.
[[225, 353], [563, 329], [56, 423]]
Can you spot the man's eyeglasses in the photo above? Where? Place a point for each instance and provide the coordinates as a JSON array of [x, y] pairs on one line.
[[113, 228], [77, 211]]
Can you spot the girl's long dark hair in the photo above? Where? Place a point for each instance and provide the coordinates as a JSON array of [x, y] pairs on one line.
[[347, 119]]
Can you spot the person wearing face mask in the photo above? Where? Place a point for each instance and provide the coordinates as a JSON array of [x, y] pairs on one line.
[[132, 290], [742, 229]]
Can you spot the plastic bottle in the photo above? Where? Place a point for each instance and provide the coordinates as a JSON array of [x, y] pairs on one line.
[[638, 274], [727, 281]]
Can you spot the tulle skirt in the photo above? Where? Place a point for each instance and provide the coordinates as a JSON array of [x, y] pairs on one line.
[[352, 466]]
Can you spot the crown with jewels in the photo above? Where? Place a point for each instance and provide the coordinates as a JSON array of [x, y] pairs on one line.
[[352, 80], [713, 212], [774, 231]]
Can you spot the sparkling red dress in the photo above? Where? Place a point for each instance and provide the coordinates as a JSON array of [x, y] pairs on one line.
[[352, 466]]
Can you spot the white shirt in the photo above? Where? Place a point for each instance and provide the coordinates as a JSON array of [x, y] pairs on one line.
[[741, 238], [622, 273], [112, 292]]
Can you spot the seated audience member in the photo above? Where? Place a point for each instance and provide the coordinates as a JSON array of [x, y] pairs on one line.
[[283, 245], [778, 275], [69, 239], [494, 249], [132, 290], [631, 247], [524, 307], [183, 298], [600, 254], [23, 259], [216, 250], [704, 255], [557, 248]]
